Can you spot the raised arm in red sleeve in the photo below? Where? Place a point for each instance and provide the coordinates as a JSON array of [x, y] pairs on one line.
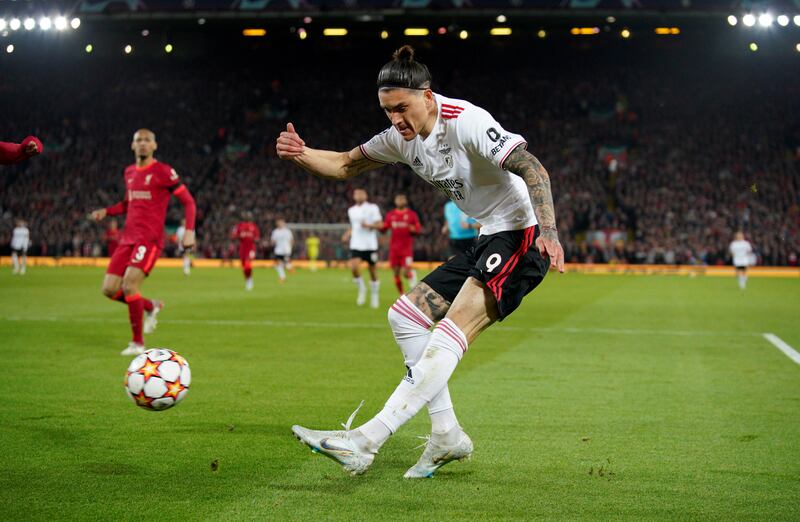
[[189, 207], [11, 153]]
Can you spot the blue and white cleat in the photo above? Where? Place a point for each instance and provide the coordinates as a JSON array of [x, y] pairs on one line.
[[435, 456], [337, 446]]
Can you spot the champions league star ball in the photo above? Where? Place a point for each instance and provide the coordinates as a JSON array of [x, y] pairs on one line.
[[158, 379]]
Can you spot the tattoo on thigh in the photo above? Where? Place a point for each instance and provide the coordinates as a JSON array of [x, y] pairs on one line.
[[429, 302]]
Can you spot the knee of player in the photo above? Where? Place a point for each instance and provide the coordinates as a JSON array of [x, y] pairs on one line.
[[129, 287], [109, 291]]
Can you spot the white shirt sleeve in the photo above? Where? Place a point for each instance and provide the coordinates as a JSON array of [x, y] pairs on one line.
[[376, 214], [381, 149], [481, 134]]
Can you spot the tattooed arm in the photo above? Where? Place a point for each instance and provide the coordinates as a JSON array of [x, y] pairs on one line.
[[525, 165], [325, 164]]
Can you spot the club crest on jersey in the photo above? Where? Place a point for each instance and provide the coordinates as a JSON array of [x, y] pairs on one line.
[[147, 179], [449, 161]]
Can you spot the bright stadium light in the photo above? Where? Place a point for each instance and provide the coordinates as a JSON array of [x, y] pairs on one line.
[[168, 48], [302, 33], [501, 19], [334, 31], [128, 49], [60, 23], [441, 30], [542, 33], [463, 35], [500, 31], [765, 19], [732, 20], [783, 20], [10, 48], [29, 24], [3, 24], [797, 48], [75, 23], [749, 20], [89, 48], [254, 32], [753, 46], [416, 31], [797, 20], [384, 35], [625, 33], [14, 24], [45, 23]]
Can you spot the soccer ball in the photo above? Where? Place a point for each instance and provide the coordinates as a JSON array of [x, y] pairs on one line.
[[158, 379]]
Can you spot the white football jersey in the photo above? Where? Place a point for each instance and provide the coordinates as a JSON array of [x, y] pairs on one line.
[[282, 239], [741, 251], [20, 238], [463, 158], [363, 238]]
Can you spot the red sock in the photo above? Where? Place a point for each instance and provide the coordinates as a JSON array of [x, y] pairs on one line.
[[248, 272], [135, 312], [148, 304], [119, 296], [399, 284]]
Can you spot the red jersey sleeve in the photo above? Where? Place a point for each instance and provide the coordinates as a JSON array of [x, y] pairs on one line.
[[168, 178], [387, 221]]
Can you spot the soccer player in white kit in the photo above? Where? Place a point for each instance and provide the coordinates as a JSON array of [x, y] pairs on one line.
[[185, 253], [363, 237], [742, 255], [466, 154], [20, 240], [282, 240]]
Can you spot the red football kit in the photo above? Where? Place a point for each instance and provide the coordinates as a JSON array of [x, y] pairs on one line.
[[247, 234], [147, 193], [11, 153], [404, 224]]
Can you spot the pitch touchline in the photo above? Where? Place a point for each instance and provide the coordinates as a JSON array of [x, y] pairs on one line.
[[781, 345], [381, 326]]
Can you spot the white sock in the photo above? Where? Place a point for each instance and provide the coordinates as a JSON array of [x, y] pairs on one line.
[[410, 328], [425, 380], [24, 263], [374, 286], [742, 281], [360, 282], [187, 264], [15, 261], [281, 271]]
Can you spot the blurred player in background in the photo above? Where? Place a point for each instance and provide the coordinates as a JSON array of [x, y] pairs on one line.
[[365, 218], [149, 185], [460, 228], [247, 233], [11, 153], [185, 253], [112, 237], [312, 249], [20, 241], [742, 256], [404, 224], [282, 242], [466, 154]]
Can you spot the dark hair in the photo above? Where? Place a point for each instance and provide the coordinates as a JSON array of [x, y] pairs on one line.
[[403, 72]]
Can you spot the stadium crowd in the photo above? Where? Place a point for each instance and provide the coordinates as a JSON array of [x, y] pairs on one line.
[[648, 164]]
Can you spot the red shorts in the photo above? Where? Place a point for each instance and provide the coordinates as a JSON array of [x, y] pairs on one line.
[[400, 259], [246, 256], [140, 255]]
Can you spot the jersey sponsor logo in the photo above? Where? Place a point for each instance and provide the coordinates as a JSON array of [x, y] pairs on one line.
[[500, 144], [139, 194], [450, 187], [493, 134], [417, 162]]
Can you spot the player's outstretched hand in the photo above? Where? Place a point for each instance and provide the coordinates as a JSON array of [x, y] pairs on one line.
[[289, 144], [31, 149], [98, 215], [188, 239], [550, 247]]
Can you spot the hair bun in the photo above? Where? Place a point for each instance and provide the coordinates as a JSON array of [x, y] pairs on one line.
[[404, 54]]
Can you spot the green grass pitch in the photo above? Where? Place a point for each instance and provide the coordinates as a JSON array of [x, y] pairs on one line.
[[602, 397]]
